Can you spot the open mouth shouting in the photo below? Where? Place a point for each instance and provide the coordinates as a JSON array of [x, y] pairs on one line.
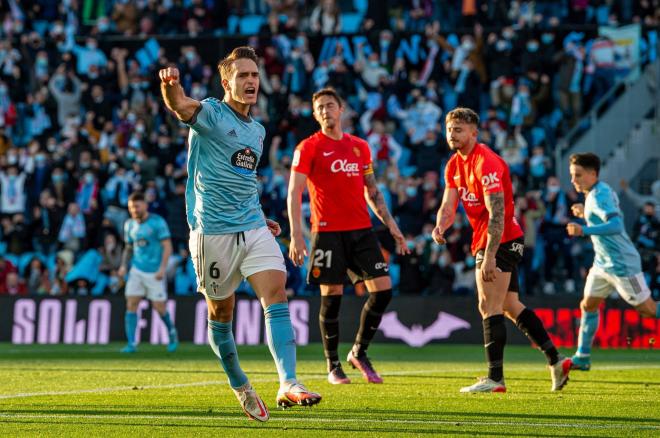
[[250, 91]]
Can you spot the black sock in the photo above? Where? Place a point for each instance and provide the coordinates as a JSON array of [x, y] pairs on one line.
[[372, 313], [494, 341], [329, 324], [532, 327]]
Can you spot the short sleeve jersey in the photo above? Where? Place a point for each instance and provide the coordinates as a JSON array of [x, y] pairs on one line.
[[614, 253], [482, 173], [221, 192], [146, 239], [335, 172]]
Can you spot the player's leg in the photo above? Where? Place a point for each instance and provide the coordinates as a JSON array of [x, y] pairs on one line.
[[327, 268], [264, 268], [157, 293], [596, 288], [329, 325], [649, 308], [367, 259], [173, 341], [216, 260], [134, 292], [532, 326]]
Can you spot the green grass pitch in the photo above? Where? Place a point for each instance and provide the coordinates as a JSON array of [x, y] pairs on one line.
[[84, 391]]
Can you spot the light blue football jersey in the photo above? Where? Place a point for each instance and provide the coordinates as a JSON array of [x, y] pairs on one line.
[[146, 240], [615, 254], [221, 192]]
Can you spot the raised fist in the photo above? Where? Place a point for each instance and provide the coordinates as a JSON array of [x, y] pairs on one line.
[[169, 76]]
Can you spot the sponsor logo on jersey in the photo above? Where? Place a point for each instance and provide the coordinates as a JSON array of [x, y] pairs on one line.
[[244, 161], [327, 154], [490, 181], [232, 133], [467, 196], [141, 242], [344, 166]]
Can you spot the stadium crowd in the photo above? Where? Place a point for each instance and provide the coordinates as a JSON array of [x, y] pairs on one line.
[[82, 124]]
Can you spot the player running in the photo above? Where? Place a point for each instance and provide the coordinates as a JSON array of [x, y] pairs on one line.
[[479, 178], [230, 239], [337, 169], [147, 248], [617, 265]]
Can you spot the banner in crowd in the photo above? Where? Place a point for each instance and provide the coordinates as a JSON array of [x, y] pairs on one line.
[[626, 41], [415, 321]]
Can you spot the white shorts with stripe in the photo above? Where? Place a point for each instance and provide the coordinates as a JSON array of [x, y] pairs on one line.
[[144, 284], [600, 284], [222, 261]]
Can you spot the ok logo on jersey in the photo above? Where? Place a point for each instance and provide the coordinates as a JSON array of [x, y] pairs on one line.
[[490, 180], [467, 196]]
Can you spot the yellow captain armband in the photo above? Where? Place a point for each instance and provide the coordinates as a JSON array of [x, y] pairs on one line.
[[368, 169]]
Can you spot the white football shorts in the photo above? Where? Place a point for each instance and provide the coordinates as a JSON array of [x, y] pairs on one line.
[[222, 261], [144, 284], [600, 284]]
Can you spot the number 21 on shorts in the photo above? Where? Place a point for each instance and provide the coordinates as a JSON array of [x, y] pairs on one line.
[[322, 258]]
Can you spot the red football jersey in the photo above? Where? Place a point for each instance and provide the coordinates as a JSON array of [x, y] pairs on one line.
[[335, 172], [483, 172]]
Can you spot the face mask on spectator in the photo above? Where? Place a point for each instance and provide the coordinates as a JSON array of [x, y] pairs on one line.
[[300, 41], [507, 34], [501, 45], [190, 55], [410, 244], [40, 159], [57, 178], [547, 38], [130, 155], [469, 262], [103, 26], [91, 45], [3, 89], [467, 45], [553, 189], [428, 186], [532, 46], [306, 112], [131, 117], [139, 129], [89, 178], [42, 62], [443, 261], [12, 159], [411, 191]]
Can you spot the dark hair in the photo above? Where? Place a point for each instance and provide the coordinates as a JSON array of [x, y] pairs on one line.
[[226, 65], [586, 160], [136, 196], [465, 115], [327, 91]]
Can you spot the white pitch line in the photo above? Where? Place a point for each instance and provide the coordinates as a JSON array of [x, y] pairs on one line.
[[272, 380], [459, 422]]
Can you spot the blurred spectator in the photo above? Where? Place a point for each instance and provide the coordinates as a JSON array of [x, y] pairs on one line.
[[73, 231], [37, 277], [326, 18], [13, 285]]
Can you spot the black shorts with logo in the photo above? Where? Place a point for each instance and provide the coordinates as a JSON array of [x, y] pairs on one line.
[[336, 254], [507, 258]]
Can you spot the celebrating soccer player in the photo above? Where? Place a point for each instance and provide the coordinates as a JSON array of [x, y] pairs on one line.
[[617, 264], [480, 179], [230, 239], [148, 248], [337, 169]]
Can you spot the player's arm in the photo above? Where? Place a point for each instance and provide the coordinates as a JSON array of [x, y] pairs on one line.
[[495, 207], [126, 257], [167, 252], [446, 214], [377, 203], [175, 98], [297, 248], [614, 225]]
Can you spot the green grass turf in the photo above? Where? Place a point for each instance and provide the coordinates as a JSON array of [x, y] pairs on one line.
[[61, 390]]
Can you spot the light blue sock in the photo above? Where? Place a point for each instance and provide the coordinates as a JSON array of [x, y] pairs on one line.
[[168, 321], [588, 327], [222, 343], [130, 324], [657, 310], [281, 340]]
